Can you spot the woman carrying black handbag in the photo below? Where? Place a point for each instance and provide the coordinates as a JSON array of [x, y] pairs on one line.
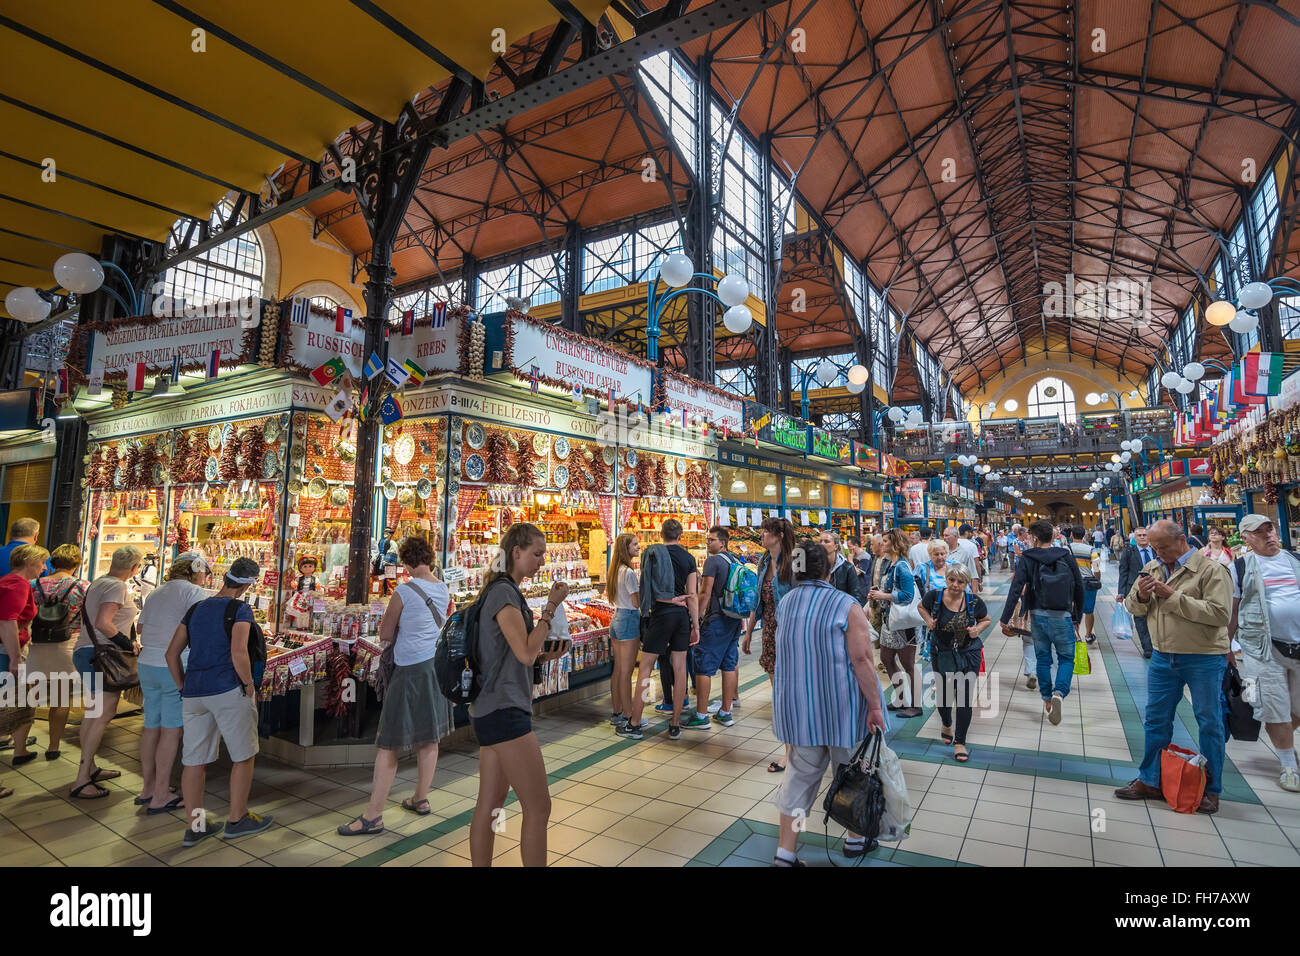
[[956, 621]]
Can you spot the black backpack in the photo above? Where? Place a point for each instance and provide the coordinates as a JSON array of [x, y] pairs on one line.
[[256, 639], [1054, 584], [457, 665], [53, 624]]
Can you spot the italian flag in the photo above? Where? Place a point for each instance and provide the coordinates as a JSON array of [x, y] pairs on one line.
[[1261, 373]]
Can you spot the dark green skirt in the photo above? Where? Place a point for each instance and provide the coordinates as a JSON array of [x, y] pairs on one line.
[[415, 712]]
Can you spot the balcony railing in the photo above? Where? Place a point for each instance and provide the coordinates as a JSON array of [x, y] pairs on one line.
[[929, 448]]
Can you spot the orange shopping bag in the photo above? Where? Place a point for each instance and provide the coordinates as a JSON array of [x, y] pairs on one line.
[[1182, 778]]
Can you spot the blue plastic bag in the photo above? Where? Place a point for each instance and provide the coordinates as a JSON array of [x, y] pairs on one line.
[[1121, 624]]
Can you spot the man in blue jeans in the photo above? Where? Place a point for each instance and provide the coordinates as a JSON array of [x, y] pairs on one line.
[[719, 647], [1187, 600], [1054, 613]]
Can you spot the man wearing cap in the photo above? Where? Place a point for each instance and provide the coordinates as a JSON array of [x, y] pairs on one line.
[[1187, 600], [1266, 622]]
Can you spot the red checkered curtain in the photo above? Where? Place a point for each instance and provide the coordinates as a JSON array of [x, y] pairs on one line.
[[465, 499], [607, 517]]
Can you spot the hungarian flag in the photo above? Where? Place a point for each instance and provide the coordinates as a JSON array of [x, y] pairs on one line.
[[331, 370], [135, 381], [214, 364], [1261, 373], [408, 321], [342, 317], [1239, 394]]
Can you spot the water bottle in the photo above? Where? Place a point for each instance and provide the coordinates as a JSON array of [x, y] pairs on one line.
[[466, 679]]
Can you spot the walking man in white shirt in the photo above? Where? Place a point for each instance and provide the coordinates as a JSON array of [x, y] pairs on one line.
[[962, 551]]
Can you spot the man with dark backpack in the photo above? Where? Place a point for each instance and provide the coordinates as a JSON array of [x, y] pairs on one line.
[[719, 647], [1048, 582]]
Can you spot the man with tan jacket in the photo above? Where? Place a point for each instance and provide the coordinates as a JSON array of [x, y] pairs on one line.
[[1187, 600]]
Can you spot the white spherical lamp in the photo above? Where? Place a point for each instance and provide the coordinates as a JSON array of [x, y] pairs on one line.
[[858, 375], [26, 305], [676, 270], [1170, 379], [1193, 371], [1011, 404], [1184, 387], [826, 372], [1220, 312], [1255, 295], [78, 272], [737, 319], [732, 290], [1135, 396], [1092, 398], [1244, 322], [895, 414], [1126, 456], [856, 388]]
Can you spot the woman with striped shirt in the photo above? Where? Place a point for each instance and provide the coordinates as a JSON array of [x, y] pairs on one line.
[[826, 696]]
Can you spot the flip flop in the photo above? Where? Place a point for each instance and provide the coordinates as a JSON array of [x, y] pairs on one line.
[[9, 744], [99, 794], [775, 767], [367, 827], [141, 801], [422, 808], [102, 774], [167, 808], [6, 792]]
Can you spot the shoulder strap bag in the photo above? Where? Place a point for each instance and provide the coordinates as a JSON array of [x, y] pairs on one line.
[[116, 666], [387, 659], [856, 797]]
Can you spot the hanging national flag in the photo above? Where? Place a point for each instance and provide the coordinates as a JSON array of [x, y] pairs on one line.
[[1238, 392], [373, 366], [683, 417], [724, 432], [298, 313], [611, 398], [364, 403], [577, 393], [214, 365], [61, 382], [439, 318], [328, 372], [533, 373], [638, 403], [342, 319], [408, 321], [1262, 373], [396, 373], [389, 410], [414, 372], [135, 381], [95, 382], [339, 406], [176, 369]]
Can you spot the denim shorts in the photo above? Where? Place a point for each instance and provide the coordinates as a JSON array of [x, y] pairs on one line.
[[719, 647], [162, 701], [502, 726], [1089, 601], [626, 625]]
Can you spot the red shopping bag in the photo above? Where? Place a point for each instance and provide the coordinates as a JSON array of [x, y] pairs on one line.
[[1181, 781], [981, 660]]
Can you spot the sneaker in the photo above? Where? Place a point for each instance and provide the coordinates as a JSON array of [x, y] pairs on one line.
[[1031, 681], [696, 722], [630, 731], [194, 839], [674, 733], [724, 720], [1290, 779], [617, 719], [666, 706], [1054, 709], [715, 706], [250, 824]]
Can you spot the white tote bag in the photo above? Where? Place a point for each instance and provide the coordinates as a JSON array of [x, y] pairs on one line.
[[904, 616], [897, 819]]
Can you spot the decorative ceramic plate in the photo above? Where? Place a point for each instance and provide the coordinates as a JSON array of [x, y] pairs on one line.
[[157, 474], [630, 458], [390, 489], [540, 474], [608, 454], [425, 447], [475, 467], [561, 476], [681, 466], [455, 455], [270, 464], [226, 431], [212, 468], [294, 487], [271, 431], [475, 435], [214, 437], [339, 497], [453, 486], [424, 488], [630, 484], [441, 459], [681, 488], [541, 443], [404, 450], [405, 496], [316, 488], [347, 452], [609, 484], [562, 449]]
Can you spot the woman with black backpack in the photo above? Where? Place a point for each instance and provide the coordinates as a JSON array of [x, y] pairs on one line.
[[54, 632], [956, 620]]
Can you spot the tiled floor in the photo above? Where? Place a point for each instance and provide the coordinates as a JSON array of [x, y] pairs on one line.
[[1032, 795]]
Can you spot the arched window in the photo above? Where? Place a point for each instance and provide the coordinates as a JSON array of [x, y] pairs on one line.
[[1051, 396], [229, 271], [323, 302]]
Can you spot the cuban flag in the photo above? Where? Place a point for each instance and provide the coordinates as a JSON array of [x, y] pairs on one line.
[[214, 365], [176, 369], [342, 319], [298, 313], [408, 322], [135, 381], [439, 318]]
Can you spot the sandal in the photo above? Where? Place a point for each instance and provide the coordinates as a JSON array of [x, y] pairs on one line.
[[101, 774], [6, 792], [945, 735], [422, 808], [99, 793], [20, 759], [171, 805], [961, 757], [141, 801], [775, 767], [367, 827]]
